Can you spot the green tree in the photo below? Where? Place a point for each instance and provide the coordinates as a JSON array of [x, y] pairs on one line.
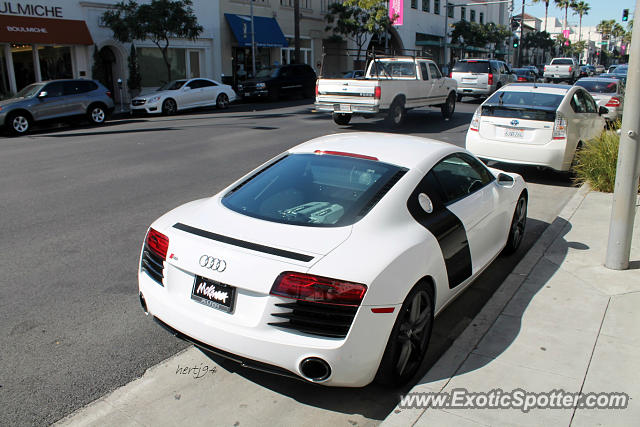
[[134, 82], [157, 21], [469, 34], [356, 19], [98, 69], [580, 8], [546, 10]]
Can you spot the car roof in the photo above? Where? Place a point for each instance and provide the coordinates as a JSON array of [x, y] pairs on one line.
[[596, 79], [400, 150], [537, 87]]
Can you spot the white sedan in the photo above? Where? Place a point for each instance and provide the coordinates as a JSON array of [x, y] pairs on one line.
[[183, 94], [535, 124], [329, 262], [606, 92]]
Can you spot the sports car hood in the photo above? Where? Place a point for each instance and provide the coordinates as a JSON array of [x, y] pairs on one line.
[[209, 221]]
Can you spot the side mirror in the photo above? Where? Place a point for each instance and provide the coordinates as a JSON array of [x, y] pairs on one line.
[[42, 94], [602, 110], [505, 180]]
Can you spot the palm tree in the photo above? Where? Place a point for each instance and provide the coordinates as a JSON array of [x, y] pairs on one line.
[[564, 4], [581, 8], [546, 10], [604, 27], [617, 31]]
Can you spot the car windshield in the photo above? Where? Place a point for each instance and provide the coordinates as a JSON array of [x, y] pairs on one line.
[[268, 72], [471, 67], [172, 85], [29, 91], [314, 190], [562, 62], [523, 105], [522, 71], [595, 86]]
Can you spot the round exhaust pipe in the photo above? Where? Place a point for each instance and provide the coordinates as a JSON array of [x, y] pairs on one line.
[[143, 303], [315, 369]]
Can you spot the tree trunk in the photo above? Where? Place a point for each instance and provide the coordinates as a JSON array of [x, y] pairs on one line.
[[546, 14], [164, 49]]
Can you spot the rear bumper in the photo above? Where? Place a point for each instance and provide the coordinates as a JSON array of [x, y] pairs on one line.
[[556, 154], [353, 360], [475, 91], [347, 108]]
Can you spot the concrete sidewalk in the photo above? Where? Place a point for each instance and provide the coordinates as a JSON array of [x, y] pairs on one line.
[[561, 320]]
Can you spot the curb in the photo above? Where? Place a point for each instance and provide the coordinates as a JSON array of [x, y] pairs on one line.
[[446, 367]]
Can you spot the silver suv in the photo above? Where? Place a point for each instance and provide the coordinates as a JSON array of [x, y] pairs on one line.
[[480, 77], [55, 100]]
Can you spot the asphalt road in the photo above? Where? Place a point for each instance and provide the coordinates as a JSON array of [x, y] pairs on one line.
[[75, 203]]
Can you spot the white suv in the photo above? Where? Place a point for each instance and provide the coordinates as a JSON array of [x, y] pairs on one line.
[[535, 124], [480, 77]]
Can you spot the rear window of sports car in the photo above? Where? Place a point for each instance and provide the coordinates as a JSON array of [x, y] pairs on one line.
[[314, 190]]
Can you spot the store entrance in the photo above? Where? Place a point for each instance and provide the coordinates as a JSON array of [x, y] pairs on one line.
[[107, 61], [242, 64]]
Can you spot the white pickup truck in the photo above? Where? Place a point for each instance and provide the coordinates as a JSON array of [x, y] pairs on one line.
[[391, 86], [562, 69]]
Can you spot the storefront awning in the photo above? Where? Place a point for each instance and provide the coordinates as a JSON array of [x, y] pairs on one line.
[[21, 29], [267, 31]]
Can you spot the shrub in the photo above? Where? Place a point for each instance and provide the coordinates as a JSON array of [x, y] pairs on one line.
[[596, 162]]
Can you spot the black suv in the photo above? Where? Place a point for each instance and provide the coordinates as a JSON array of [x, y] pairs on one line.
[[274, 82]]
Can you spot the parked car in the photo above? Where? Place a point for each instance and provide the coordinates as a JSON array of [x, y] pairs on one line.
[[525, 75], [535, 124], [606, 92], [591, 70], [292, 79], [283, 272], [183, 94], [584, 71], [393, 86], [480, 77], [535, 70], [612, 68], [600, 69], [56, 100], [620, 73], [353, 74], [562, 69]]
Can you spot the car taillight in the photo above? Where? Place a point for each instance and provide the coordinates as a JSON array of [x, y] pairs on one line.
[[311, 288], [490, 78], [545, 68], [158, 243], [613, 102], [109, 94], [316, 88], [475, 120], [570, 69], [522, 79], [450, 74], [377, 92], [559, 127]]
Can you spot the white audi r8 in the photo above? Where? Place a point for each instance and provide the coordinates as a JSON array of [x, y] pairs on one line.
[[330, 261], [178, 95]]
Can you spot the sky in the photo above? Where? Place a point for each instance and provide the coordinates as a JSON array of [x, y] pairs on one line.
[[600, 9]]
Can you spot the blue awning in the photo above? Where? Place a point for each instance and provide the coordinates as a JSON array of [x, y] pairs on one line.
[[267, 31]]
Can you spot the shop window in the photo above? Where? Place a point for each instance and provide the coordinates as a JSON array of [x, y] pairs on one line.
[[154, 70], [472, 16], [425, 5], [414, 4], [55, 62], [436, 7], [463, 13], [450, 11], [482, 17], [22, 55], [5, 89]]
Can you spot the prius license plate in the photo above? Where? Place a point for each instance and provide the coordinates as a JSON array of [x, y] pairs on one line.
[[513, 133]]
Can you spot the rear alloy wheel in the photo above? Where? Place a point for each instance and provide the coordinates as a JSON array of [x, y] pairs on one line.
[[223, 101], [96, 114], [448, 107], [341, 119], [169, 107], [518, 224], [18, 124], [409, 338], [396, 114]]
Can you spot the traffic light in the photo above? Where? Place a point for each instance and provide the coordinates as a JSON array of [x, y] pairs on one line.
[[625, 15], [515, 42]]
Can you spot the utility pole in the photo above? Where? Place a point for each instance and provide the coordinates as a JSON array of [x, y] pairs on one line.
[[253, 42], [625, 194], [296, 17], [520, 42]]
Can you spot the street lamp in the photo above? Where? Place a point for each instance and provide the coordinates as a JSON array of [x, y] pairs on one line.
[[446, 20]]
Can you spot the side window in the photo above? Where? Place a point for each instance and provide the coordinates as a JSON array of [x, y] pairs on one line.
[[460, 175], [423, 71], [194, 84], [435, 73], [85, 86], [589, 103], [494, 67], [206, 83], [577, 103], [54, 89], [70, 88]]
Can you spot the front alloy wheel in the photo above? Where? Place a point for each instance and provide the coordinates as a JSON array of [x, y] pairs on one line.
[[18, 124], [223, 101], [169, 107], [97, 115]]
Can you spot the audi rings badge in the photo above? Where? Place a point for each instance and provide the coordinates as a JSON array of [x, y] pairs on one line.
[[213, 263]]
